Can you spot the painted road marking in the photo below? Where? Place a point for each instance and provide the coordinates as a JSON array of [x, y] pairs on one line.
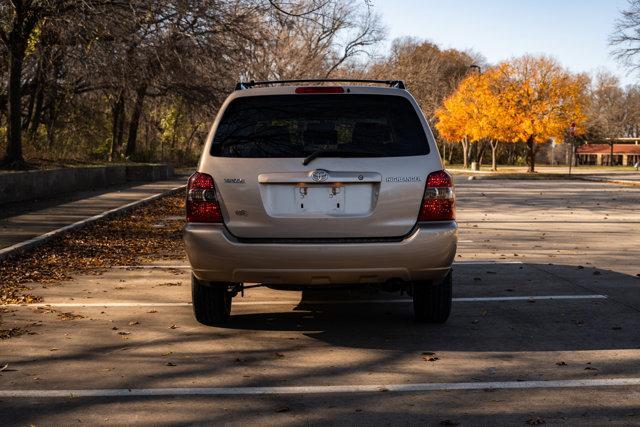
[[296, 302], [188, 267], [322, 389]]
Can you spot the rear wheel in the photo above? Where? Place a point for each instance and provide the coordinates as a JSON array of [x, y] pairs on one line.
[[432, 302], [211, 301]]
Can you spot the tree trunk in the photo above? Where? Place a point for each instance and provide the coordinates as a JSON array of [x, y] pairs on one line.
[[135, 120], [494, 147], [465, 153], [117, 112], [480, 147], [531, 145], [37, 113], [13, 157], [50, 127], [611, 162], [511, 154], [451, 147]]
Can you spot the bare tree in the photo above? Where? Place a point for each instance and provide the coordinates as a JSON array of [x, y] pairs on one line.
[[625, 39], [87, 78], [613, 111], [432, 74], [313, 38]]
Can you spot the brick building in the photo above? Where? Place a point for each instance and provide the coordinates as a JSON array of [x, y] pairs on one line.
[[625, 153]]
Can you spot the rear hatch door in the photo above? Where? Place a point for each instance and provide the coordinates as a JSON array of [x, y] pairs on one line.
[[367, 160]]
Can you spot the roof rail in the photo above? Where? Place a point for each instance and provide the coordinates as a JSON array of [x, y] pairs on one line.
[[247, 85]]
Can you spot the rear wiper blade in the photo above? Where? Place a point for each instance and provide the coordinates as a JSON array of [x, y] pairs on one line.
[[319, 153]]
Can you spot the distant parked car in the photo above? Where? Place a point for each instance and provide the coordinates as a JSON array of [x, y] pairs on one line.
[[318, 186]]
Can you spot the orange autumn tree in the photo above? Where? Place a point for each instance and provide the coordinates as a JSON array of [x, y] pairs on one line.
[[537, 100], [472, 114], [459, 113], [529, 99]]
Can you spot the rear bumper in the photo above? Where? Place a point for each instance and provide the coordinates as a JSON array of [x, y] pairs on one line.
[[216, 255]]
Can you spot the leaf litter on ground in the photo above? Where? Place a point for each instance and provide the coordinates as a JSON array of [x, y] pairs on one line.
[[124, 240]]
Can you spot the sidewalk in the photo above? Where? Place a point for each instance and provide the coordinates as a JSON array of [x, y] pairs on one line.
[[625, 177], [15, 230]]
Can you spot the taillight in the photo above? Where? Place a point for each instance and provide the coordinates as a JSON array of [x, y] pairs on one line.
[[320, 89], [202, 204], [438, 203]]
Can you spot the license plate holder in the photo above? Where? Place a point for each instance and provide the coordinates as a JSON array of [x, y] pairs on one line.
[[320, 199]]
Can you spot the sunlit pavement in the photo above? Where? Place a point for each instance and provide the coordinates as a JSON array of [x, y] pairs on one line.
[[545, 328]]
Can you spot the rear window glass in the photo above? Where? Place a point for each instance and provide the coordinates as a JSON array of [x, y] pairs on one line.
[[298, 125]]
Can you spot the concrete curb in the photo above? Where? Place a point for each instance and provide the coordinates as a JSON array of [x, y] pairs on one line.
[[610, 181], [580, 177], [27, 245]]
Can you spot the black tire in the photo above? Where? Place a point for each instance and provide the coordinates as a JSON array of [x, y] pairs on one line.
[[211, 302], [432, 302]]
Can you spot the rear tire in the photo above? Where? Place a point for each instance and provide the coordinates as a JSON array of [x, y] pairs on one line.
[[432, 302], [211, 302]]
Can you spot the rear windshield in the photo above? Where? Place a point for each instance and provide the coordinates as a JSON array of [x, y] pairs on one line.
[[298, 125]]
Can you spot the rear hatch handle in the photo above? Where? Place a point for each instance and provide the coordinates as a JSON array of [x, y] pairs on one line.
[[312, 177]]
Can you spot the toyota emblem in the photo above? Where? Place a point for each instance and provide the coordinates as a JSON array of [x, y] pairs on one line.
[[320, 175]]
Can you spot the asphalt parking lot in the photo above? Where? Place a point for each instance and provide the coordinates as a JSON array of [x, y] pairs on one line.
[[544, 329]]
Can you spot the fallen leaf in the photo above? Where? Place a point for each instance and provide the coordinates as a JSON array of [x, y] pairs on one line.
[[283, 409], [135, 322], [69, 316], [279, 355], [170, 364], [536, 421], [561, 363]]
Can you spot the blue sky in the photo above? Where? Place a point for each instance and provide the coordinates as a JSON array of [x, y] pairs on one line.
[[574, 32]]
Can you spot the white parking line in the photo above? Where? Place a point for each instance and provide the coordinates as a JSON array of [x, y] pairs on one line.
[[486, 262], [366, 388], [296, 302], [188, 267], [151, 267]]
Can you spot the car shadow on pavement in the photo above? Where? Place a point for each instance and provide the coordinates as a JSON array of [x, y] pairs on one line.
[[361, 319]]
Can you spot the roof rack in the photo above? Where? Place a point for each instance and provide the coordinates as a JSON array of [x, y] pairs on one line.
[[247, 85]]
